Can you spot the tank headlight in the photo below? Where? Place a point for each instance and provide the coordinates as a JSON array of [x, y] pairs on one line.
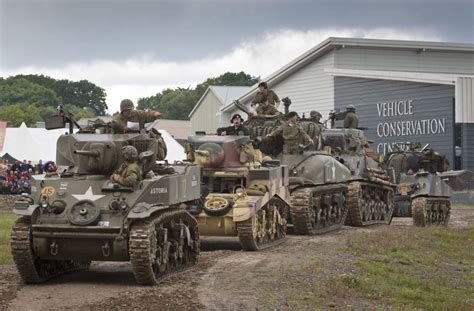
[[44, 202], [114, 205], [124, 205], [240, 192]]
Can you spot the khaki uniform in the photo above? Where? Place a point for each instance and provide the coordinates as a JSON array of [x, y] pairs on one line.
[[130, 174], [292, 135], [138, 116], [351, 120], [266, 110], [272, 98]]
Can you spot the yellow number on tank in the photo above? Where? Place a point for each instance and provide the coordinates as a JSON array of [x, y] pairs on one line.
[[47, 191]]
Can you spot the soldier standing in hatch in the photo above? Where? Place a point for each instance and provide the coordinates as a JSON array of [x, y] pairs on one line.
[[293, 134], [129, 173], [129, 114], [351, 120], [236, 129]]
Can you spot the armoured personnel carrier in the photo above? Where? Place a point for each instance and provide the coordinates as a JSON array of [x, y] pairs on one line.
[[421, 193], [80, 215], [244, 195], [317, 181]]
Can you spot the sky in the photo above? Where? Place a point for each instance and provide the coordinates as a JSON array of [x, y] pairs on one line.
[[136, 48]]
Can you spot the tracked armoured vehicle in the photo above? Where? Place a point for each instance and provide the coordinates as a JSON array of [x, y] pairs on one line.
[[80, 215], [317, 181], [244, 195], [421, 193]]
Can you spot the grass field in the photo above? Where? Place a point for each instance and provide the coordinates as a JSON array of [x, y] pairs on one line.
[[460, 205], [6, 222]]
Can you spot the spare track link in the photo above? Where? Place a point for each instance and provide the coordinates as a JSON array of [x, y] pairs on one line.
[[34, 270], [430, 211], [379, 213], [143, 254], [305, 220], [246, 230]]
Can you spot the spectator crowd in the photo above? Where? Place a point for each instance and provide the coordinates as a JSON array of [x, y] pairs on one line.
[[16, 178]]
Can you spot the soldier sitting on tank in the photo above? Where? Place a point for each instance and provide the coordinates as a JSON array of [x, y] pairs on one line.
[[237, 129], [265, 93], [265, 108], [129, 173], [351, 120], [129, 114], [293, 134]]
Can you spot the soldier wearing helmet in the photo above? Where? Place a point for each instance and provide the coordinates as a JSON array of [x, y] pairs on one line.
[[129, 173], [315, 116], [129, 114], [293, 134], [351, 120]]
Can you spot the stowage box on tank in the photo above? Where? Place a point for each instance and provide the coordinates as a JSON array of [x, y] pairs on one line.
[[79, 215]]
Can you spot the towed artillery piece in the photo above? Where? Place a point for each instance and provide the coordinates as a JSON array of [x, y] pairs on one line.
[[317, 180], [243, 195], [421, 193], [80, 215]]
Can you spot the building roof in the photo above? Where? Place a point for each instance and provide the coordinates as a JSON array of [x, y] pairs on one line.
[[179, 129], [225, 95], [335, 43]]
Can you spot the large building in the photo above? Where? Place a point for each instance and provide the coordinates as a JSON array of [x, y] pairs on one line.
[[404, 91]]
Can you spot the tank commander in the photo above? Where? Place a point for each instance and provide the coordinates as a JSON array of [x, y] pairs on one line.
[[265, 94], [129, 173], [129, 114], [236, 129], [351, 120], [293, 134]]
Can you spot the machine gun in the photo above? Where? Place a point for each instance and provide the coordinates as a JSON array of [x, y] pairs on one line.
[[59, 121]]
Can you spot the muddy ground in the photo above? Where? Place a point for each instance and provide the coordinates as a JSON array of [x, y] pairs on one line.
[[226, 278]]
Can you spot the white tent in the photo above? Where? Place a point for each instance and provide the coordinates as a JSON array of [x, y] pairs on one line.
[[24, 143]]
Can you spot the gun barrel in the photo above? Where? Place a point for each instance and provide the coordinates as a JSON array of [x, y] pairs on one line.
[[88, 153]]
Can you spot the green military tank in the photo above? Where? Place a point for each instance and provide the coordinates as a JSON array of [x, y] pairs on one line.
[[421, 193], [317, 180], [79, 214], [245, 196]]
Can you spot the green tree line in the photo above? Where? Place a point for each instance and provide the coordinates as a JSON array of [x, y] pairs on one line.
[[32, 98], [177, 103]]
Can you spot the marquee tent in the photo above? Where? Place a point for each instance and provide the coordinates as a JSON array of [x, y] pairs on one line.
[[36, 144]]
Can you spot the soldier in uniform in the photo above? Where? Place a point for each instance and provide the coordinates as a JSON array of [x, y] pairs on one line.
[[293, 134], [315, 116], [236, 129], [129, 173], [265, 94], [351, 120], [129, 114]]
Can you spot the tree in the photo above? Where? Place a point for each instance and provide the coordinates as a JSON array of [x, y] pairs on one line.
[[13, 114], [178, 103], [22, 91]]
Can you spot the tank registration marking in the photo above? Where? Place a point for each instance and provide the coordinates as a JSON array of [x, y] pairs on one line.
[[48, 191], [158, 190]]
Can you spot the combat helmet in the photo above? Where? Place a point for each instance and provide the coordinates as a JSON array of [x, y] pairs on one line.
[[350, 108], [126, 104], [129, 153], [315, 114]]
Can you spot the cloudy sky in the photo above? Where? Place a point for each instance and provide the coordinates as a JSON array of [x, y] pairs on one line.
[[135, 48]]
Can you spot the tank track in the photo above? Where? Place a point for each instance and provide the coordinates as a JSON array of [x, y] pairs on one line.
[[34, 270], [329, 215], [163, 245], [265, 229], [365, 206], [430, 211]]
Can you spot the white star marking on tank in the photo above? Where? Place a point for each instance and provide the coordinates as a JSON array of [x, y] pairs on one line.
[[88, 195]]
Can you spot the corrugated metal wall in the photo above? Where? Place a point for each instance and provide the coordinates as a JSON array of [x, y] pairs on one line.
[[468, 146], [429, 102], [404, 60], [465, 100], [204, 118]]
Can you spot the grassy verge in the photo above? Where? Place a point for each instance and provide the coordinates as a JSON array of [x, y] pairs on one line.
[[428, 268], [6, 222], [461, 205]]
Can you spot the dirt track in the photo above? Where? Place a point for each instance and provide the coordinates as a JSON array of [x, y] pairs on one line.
[[227, 279]]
